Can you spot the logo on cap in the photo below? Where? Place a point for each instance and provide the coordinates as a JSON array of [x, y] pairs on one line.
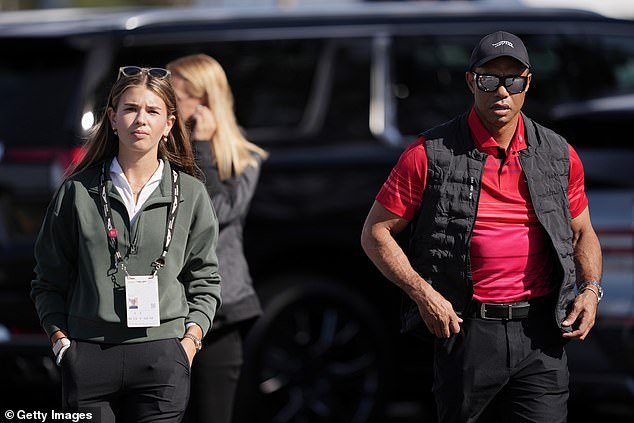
[[499, 43]]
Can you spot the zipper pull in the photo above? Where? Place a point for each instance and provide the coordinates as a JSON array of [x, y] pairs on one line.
[[133, 245], [471, 188]]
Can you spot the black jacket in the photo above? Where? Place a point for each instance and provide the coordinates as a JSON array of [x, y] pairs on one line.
[[231, 200]]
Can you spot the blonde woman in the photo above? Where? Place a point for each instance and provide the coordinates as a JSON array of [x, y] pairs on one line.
[[126, 277], [231, 165]]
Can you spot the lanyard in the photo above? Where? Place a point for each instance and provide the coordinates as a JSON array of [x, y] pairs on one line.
[[112, 232]]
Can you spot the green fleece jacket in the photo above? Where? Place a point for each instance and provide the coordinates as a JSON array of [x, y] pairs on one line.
[[77, 287]]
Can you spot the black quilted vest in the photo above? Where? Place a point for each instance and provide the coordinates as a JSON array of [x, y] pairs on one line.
[[441, 231]]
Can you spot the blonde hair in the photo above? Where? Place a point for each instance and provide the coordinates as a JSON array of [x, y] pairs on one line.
[[204, 77], [103, 144]]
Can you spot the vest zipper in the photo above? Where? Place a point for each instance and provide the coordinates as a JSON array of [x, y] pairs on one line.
[[472, 183]]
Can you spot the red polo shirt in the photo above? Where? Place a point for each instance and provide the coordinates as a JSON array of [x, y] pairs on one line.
[[511, 256]]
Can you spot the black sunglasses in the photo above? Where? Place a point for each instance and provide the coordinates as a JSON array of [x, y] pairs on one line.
[[488, 83], [129, 71]]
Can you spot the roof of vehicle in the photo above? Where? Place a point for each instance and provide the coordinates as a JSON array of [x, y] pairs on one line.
[[75, 21], [623, 9]]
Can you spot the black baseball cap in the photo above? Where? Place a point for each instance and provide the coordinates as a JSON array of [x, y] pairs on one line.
[[498, 44]]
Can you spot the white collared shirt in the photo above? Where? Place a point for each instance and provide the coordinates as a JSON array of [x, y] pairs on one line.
[[125, 190]]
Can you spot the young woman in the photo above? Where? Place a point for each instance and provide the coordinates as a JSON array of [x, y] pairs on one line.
[[231, 165], [126, 279]]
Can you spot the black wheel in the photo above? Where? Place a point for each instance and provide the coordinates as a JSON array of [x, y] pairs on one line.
[[318, 354]]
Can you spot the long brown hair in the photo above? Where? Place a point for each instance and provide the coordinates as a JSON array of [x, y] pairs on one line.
[[102, 144], [204, 77]]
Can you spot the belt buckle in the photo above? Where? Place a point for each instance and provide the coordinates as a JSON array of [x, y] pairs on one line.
[[483, 312]]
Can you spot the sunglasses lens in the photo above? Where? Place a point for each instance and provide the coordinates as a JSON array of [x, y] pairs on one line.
[[131, 70], [158, 72], [515, 84], [488, 83]]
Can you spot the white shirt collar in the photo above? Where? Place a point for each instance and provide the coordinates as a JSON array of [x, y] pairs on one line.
[[125, 190]]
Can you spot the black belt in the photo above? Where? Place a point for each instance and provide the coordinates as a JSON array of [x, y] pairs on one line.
[[498, 311]]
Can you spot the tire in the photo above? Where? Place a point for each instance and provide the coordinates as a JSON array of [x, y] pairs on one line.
[[318, 354]]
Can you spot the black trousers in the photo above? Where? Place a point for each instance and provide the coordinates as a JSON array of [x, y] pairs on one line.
[[129, 383], [215, 375], [503, 371]]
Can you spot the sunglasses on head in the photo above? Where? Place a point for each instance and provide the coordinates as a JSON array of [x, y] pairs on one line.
[[488, 83], [129, 71]]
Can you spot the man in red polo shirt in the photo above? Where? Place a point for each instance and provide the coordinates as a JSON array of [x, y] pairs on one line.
[[501, 236]]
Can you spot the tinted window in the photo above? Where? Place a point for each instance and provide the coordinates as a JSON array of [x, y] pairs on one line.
[[429, 83], [284, 90], [39, 86], [271, 80], [348, 110], [573, 69]]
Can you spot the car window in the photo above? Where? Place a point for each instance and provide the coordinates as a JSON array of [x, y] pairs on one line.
[[571, 69], [348, 109], [429, 85], [38, 82], [284, 90], [271, 80]]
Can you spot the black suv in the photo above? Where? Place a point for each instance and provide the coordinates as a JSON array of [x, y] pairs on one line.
[[334, 95]]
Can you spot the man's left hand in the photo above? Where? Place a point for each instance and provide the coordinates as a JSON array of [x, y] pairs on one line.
[[582, 315]]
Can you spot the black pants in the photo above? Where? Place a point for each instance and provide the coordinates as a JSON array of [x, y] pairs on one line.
[[503, 371], [215, 375], [129, 383]]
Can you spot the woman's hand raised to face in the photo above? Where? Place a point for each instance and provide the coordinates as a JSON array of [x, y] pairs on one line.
[[204, 124]]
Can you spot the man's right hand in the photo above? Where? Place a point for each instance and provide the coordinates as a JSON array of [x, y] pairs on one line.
[[438, 314], [377, 240]]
